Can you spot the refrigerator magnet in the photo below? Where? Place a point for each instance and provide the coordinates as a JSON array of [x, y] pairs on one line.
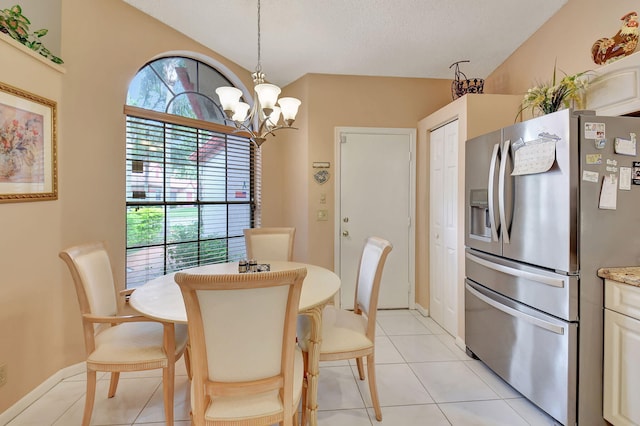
[[625, 179], [600, 143], [625, 146], [590, 176], [594, 158], [594, 131], [636, 173]]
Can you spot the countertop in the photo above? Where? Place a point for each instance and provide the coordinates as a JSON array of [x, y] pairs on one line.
[[628, 275]]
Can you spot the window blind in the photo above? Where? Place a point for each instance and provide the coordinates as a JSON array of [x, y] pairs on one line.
[[190, 192]]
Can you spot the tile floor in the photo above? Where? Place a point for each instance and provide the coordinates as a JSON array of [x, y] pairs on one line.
[[423, 379]]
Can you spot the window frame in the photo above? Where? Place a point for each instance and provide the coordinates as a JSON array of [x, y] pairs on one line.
[[197, 125]]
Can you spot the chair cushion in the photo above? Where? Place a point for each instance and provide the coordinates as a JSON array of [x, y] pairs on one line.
[[342, 331], [134, 343], [258, 405]]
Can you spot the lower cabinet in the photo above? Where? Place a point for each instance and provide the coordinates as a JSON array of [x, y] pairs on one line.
[[621, 353]]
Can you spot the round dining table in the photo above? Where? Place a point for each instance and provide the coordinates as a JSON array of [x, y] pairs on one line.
[[161, 299]]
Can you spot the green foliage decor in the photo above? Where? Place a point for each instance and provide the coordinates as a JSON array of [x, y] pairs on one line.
[[15, 24], [553, 96]]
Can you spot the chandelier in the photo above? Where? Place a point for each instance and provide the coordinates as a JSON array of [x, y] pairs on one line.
[[263, 118]]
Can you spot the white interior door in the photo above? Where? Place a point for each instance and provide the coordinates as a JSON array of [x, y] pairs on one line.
[[376, 181], [436, 219], [443, 234]]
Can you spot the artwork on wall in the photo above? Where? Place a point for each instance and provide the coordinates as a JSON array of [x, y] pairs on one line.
[[28, 163]]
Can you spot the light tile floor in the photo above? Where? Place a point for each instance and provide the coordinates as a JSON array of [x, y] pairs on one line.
[[423, 379]]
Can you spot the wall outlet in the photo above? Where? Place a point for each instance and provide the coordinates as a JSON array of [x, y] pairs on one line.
[[3, 374]]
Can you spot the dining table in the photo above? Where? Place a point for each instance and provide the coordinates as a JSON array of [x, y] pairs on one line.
[[161, 299]]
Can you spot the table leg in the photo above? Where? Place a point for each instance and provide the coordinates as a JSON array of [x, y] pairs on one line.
[[310, 412]]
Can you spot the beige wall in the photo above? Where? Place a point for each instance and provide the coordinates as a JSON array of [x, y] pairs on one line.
[[32, 297], [566, 38], [331, 101], [104, 43]]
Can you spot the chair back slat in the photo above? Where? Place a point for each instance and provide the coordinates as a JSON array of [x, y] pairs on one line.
[[258, 316], [93, 277], [265, 244], [372, 260]]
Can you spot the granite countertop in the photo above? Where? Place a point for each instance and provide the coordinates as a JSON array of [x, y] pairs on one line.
[[629, 275]]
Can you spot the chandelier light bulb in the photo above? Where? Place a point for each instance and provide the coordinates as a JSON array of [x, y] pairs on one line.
[[289, 108], [274, 117], [241, 112], [229, 99], [268, 96]]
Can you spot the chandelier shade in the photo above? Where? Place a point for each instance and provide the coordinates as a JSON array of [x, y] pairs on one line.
[[263, 117]]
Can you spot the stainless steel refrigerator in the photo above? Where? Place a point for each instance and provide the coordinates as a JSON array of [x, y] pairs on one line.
[[549, 201]]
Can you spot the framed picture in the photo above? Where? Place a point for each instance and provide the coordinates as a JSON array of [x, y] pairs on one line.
[[28, 162]]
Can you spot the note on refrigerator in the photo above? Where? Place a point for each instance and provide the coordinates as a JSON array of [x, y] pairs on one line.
[[534, 156], [609, 192], [625, 146], [625, 178]]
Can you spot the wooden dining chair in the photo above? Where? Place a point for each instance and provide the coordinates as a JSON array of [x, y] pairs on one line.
[[247, 367], [269, 243], [115, 342], [351, 334]]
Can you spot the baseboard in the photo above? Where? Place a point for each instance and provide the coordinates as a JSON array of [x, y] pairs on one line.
[[44, 387], [460, 343], [424, 312]]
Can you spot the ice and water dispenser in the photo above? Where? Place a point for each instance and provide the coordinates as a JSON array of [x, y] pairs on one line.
[[480, 225]]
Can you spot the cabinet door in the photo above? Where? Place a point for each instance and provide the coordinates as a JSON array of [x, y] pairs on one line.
[[621, 369]]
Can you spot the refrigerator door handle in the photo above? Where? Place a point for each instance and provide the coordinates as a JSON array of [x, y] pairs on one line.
[[501, 184], [490, 186], [515, 313], [554, 282]]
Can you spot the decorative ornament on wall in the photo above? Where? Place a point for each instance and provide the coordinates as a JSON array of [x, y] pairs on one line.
[[461, 85], [609, 49], [321, 176]]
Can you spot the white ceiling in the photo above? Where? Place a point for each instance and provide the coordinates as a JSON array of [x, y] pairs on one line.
[[398, 38]]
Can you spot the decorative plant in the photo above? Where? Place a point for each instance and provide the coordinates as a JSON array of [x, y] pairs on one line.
[[550, 97], [14, 23]]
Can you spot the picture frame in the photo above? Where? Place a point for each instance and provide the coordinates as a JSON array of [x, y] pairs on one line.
[[28, 143]]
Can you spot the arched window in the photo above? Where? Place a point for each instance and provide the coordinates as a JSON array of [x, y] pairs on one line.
[[191, 181]]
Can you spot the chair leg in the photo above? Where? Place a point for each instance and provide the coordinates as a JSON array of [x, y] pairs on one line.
[[168, 382], [360, 368], [113, 385], [90, 397], [305, 387], [373, 390], [187, 360]]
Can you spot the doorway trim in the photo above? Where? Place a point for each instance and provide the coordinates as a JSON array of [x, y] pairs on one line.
[[412, 134]]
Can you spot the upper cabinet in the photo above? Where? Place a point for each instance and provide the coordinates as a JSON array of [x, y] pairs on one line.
[[614, 89]]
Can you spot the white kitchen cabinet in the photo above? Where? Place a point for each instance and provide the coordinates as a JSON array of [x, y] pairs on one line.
[[621, 353], [440, 200]]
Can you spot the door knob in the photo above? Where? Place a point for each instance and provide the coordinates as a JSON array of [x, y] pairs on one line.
[[345, 233], [345, 219]]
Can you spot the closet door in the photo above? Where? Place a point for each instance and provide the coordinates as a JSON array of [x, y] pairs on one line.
[[443, 226]]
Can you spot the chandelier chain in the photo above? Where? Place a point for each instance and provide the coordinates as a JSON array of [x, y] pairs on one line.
[[259, 66]]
